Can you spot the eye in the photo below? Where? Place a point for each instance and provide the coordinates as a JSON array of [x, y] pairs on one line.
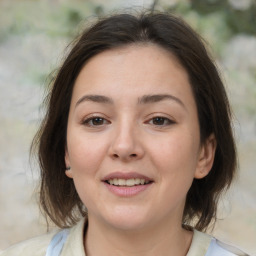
[[95, 121], [161, 121]]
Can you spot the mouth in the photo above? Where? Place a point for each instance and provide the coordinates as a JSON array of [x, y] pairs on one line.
[[127, 182]]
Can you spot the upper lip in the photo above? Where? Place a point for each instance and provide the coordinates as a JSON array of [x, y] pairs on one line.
[[126, 176]]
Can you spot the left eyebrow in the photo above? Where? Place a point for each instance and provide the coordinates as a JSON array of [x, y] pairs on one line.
[[160, 97]]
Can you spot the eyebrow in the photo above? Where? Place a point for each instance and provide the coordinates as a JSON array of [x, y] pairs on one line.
[[146, 99], [159, 97], [95, 98]]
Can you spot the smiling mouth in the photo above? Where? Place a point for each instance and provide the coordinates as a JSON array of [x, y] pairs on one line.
[[127, 182]]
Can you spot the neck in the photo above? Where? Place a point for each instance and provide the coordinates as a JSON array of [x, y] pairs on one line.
[[165, 239]]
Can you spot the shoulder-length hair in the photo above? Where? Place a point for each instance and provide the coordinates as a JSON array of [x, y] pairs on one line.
[[58, 196]]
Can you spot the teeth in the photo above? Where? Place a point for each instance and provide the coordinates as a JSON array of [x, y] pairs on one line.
[[128, 183], [121, 182], [137, 181]]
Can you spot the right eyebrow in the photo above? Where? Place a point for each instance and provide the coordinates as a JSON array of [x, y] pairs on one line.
[[95, 98]]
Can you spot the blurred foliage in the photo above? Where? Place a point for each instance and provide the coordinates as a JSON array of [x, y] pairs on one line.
[[238, 20], [54, 19], [242, 21], [234, 20], [208, 6], [63, 17]]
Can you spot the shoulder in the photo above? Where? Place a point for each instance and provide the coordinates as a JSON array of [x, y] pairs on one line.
[[33, 247], [68, 241], [218, 248], [206, 245]]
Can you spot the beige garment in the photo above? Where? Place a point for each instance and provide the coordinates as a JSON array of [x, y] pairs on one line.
[[38, 246], [74, 244]]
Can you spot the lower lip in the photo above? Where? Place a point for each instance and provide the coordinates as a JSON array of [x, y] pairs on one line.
[[125, 191]]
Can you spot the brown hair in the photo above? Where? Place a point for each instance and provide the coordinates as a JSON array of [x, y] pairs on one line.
[[58, 196]]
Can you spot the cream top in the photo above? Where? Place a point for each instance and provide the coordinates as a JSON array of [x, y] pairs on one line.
[[202, 245]]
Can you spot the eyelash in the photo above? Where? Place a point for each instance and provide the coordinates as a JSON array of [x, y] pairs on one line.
[[103, 121]]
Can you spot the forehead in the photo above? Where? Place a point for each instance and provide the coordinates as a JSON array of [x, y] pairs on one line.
[[146, 57], [133, 69]]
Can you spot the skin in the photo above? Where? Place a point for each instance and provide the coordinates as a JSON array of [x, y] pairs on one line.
[[128, 137]]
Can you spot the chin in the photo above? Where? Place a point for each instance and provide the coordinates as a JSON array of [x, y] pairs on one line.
[[127, 219]]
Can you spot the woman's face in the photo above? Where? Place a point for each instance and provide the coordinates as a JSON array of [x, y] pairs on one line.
[[133, 140]]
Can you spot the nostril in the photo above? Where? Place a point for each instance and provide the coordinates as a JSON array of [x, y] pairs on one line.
[[131, 155]]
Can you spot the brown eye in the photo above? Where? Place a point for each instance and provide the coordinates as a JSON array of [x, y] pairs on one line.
[[95, 121], [161, 121]]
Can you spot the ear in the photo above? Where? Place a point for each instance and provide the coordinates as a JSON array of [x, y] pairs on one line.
[[206, 157], [68, 172]]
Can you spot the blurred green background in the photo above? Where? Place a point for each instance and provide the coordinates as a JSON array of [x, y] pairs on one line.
[[33, 39]]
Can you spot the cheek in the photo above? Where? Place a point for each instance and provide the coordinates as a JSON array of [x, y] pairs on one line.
[[85, 153], [176, 155]]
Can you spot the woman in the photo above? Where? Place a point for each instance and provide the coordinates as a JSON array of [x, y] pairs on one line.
[[136, 146]]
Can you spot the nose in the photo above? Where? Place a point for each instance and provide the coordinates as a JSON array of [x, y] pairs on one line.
[[126, 144]]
